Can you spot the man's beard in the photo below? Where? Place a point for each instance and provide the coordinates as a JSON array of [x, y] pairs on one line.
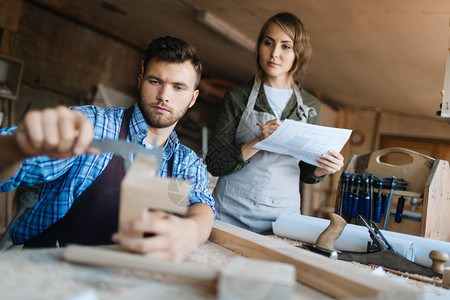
[[157, 120]]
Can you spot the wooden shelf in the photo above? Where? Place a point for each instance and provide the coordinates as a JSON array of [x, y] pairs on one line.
[[11, 70], [427, 180]]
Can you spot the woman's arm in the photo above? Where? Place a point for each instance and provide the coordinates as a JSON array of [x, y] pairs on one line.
[[224, 154]]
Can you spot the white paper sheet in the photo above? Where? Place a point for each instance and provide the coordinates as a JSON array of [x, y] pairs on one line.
[[304, 141]]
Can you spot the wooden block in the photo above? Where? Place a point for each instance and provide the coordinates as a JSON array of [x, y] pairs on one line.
[[334, 278], [245, 278], [446, 277], [141, 191]]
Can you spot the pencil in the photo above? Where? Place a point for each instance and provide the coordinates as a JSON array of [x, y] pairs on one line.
[[259, 124]]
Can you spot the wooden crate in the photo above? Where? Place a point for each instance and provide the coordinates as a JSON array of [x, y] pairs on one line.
[[428, 181]]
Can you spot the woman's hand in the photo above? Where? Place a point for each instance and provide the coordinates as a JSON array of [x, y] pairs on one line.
[[330, 162], [269, 128], [266, 130]]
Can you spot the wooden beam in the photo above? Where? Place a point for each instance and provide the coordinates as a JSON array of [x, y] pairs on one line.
[[334, 278], [82, 17]]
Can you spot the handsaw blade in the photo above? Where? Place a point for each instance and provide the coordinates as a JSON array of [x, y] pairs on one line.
[[127, 150]]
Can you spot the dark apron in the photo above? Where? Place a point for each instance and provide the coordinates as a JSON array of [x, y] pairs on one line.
[[93, 217]]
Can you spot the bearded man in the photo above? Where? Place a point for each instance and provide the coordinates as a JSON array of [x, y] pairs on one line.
[[79, 191]]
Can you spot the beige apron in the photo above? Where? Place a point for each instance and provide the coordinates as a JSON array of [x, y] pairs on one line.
[[253, 197]]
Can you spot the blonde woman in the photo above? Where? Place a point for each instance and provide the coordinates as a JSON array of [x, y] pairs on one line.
[[257, 186]]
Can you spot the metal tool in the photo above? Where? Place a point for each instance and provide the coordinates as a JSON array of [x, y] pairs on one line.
[[396, 184], [378, 210], [399, 211], [344, 195], [381, 253], [128, 150], [356, 201], [350, 196]]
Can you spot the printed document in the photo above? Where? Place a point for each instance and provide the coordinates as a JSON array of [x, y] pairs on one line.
[[304, 141]]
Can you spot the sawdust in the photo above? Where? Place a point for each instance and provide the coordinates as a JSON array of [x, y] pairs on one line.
[[211, 255], [40, 274]]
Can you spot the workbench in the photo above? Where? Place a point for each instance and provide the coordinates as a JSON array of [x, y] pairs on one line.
[[41, 274]]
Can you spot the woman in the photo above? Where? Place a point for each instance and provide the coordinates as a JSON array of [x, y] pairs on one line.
[[257, 186]]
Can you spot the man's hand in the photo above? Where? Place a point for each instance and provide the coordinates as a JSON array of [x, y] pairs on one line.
[[56, 132], [330, 162], [174, 237]]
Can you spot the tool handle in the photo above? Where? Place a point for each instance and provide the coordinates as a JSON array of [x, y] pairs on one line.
[[355, 207], [334, 230], [399, 211], [367, 206], [439, 258], [378, 204], [349, 203]]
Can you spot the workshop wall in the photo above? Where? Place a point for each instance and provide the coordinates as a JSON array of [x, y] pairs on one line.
[[64, 61], [368, 125]]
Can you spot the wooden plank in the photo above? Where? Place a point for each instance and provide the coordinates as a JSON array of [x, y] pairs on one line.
[[334, 278], [436, 203], [113, 257], [82, 17], [242, 278]]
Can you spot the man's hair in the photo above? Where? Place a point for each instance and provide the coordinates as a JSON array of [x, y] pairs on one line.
[[173, 50]]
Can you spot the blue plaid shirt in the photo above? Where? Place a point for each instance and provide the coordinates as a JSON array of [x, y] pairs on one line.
[[63, 180]]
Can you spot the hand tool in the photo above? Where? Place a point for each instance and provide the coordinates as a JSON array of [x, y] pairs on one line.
[[361, 202], [379, 252], [396, 184], [379, 202], [127, 150], [350, 196], [399, 211], [367, 197], [344, 194], [355, 203]]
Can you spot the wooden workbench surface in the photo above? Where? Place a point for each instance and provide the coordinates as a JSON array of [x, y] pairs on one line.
[[40, 274]]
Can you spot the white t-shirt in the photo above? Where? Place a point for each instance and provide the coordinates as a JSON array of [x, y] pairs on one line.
[[278, 99]]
